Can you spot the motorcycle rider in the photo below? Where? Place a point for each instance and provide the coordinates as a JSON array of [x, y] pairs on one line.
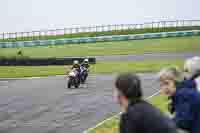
[[85, 63], [84, 69], [76, 66]]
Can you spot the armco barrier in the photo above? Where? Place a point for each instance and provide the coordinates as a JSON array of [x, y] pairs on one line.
[[42, 61], [98, 39]]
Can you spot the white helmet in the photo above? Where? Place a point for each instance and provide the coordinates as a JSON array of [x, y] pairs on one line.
[[76, 62], [192, 65], [86, 60]]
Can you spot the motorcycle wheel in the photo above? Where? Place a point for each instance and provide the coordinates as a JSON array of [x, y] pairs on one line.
[[69, 83], [77, 83], [85, 77]]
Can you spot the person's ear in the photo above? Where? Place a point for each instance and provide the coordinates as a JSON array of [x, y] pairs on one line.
[[124, 99]]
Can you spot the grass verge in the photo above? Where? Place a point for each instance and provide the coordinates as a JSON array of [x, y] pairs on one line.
[[111, 126], [181, 44], [100, 68]]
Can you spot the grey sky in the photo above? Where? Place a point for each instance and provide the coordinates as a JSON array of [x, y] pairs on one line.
[[26, 15]]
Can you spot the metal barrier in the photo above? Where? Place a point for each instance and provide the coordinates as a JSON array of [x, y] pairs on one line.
[[43, 61], [98, 39], [52, 33]]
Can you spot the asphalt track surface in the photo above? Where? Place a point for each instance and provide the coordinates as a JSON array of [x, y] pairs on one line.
[[45, 105], [148, 56]]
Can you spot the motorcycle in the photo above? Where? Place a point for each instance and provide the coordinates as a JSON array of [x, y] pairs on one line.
[[84, 74], [73, 79]]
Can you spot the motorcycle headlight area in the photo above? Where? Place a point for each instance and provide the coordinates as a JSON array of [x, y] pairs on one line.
[[73, 74]]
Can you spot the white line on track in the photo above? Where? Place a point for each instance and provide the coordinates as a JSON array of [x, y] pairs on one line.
[[32, 77], [4, 81]]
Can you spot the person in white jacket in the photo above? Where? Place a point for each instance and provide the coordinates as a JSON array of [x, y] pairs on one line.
[[192, 70]]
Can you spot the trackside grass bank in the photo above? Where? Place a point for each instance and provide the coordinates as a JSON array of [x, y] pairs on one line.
[[175, 45], [99, 68]]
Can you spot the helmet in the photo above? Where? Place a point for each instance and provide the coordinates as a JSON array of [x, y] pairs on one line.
[[192, 65], [76, 62], [86, 60]]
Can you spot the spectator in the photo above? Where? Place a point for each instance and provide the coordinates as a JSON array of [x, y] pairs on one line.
[[192, 71], [186, 102], [139, 116]]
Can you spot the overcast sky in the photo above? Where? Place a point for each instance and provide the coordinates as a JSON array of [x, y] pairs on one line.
[[26, 15]]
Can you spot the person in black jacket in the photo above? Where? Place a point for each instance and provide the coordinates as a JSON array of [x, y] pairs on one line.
[[138, 115]]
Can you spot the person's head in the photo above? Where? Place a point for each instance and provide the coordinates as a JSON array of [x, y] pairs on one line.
[[168, 78], [75, 62], [86, 61], [192, 67], [128, 89]]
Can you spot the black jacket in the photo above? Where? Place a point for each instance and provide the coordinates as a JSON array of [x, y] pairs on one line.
[[77, 67], [142, 117], [186, 103], [187, 83]]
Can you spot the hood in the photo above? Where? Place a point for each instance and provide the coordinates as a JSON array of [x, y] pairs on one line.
[[188, 83]]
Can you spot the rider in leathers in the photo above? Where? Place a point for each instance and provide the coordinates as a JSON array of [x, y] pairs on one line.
[[76, 65]]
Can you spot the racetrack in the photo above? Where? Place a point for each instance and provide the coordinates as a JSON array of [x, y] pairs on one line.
[[45, 105], [148, 56]]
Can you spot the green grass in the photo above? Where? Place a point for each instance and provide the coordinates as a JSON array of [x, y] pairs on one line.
[[182, 44], [160, 102], [100, 68], [112, 125], [94, 34]]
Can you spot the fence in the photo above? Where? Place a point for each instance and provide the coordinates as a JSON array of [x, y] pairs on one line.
[[37, 35], [98, 39]]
